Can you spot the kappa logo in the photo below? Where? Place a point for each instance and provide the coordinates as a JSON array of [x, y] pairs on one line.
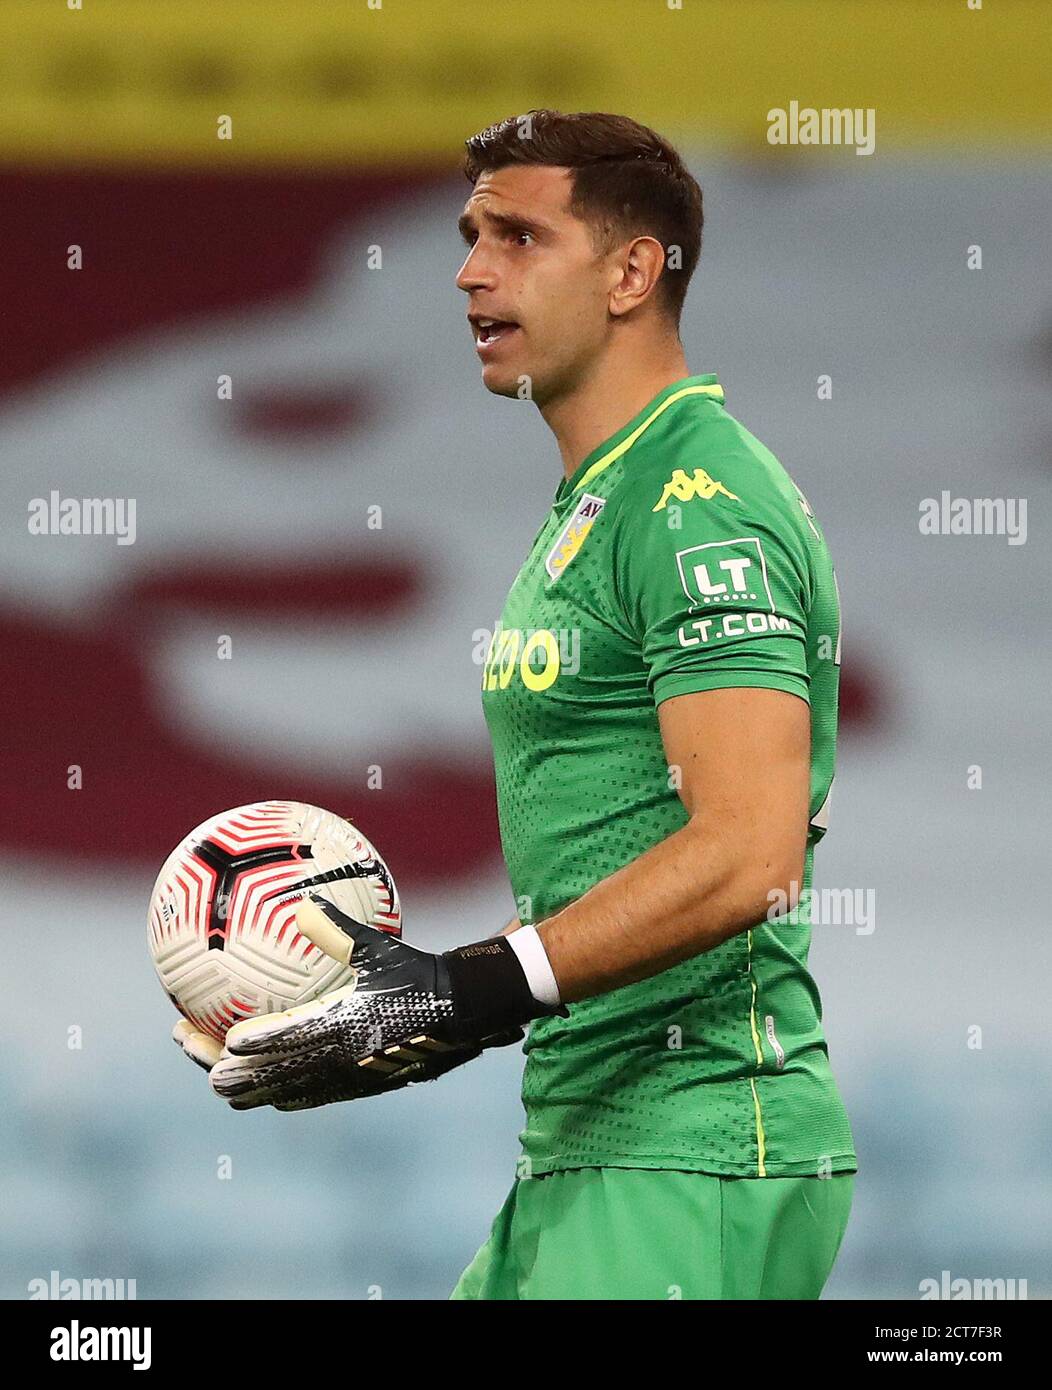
[[684, 488], [573, 534]]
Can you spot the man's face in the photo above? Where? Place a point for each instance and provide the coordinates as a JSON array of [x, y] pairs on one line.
[[532, 267]]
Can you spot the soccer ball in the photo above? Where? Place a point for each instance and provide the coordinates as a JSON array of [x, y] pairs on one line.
[[222, 921]]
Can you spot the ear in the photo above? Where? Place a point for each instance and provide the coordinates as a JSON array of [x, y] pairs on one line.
[[642, 263]]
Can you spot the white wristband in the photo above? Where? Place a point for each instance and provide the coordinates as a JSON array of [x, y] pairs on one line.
[[528, 946]]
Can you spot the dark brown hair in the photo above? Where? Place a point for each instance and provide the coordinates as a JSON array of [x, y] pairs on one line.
[[627, 181]]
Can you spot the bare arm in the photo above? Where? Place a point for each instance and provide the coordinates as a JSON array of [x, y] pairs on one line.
[[744, 757]]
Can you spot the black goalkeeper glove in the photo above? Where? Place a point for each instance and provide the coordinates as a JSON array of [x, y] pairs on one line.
[[409, 1016]]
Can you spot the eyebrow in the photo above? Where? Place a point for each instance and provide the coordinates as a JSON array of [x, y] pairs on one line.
[[510, 221]]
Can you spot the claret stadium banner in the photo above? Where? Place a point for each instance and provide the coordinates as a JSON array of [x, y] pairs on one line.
[[308, 630]]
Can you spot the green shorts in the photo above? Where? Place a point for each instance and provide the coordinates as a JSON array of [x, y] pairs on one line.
[[639, 1233]]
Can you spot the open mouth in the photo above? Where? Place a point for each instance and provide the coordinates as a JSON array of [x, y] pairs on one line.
[[490, 332]]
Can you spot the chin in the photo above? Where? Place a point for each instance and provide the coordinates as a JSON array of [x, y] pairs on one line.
[[499, 381]]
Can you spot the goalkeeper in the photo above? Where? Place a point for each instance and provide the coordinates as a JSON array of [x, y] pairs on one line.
[[660, 796]]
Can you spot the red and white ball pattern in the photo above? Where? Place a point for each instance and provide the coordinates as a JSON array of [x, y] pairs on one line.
[[222, 919]]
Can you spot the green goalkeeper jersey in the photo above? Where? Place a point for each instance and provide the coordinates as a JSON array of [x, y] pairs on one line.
[[679, 557]]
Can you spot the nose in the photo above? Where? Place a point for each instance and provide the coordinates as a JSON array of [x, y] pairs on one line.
[[475, 273]]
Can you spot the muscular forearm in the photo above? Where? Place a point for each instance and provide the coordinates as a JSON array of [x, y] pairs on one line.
[[684, 896]]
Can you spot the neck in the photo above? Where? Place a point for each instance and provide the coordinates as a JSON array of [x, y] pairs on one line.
[[607, 397]]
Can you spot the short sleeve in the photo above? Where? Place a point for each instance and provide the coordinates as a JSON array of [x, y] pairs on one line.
[[716, 592]]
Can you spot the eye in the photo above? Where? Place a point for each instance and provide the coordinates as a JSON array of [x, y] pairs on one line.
[[517, 237]]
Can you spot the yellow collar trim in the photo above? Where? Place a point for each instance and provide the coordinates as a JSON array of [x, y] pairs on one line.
[[626, 443]]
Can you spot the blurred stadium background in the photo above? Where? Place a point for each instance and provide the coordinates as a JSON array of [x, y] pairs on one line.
[[354, 387]]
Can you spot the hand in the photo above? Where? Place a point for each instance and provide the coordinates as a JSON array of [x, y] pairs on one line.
[[396, 1024], [200, 1047]]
